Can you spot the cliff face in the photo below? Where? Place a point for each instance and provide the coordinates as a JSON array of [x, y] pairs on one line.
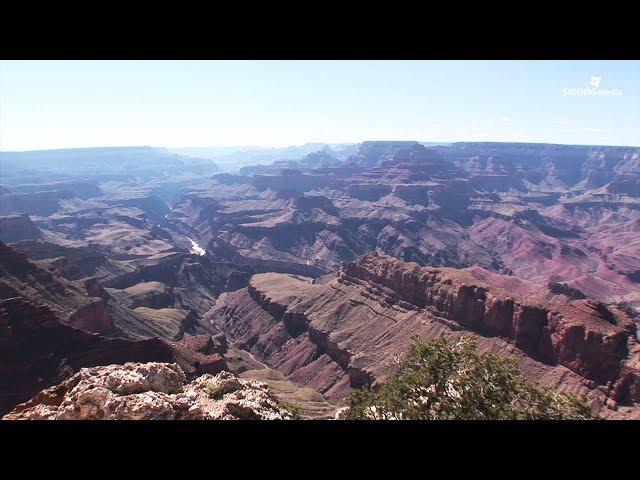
[[352, 330], [586, 336], [150, 391], [38, 351], [82, 304]]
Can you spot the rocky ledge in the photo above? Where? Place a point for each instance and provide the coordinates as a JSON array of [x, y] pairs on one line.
[[151, 391]]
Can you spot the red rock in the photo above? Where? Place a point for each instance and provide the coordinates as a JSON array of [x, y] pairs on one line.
[[92, 317], [200, 354], [38, 351], [345, 332]]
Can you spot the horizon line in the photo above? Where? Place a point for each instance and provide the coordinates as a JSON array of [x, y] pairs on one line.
[[276, 147]]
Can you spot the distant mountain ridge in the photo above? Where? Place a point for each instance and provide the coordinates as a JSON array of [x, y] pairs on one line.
[[233, 158], [101, 159]]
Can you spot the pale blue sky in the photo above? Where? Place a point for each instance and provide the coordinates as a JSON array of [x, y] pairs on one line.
[[60, 104]]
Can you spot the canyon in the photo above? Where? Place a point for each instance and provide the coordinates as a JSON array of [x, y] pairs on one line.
[[311, 273]]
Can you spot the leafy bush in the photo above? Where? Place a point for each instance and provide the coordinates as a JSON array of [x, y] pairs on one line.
[[217, 390], [292, 409], [444, 379]]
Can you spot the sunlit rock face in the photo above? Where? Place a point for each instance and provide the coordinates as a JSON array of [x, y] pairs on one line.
[[151, 391]]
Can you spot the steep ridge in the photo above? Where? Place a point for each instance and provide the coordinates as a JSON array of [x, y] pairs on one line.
[[350, 331], [186, 281], [72, 300]]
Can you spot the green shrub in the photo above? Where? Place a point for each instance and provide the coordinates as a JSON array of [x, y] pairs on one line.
[[448, 379], [292, 409], [217, 390]]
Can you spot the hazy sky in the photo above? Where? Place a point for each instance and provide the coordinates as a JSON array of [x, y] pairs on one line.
[[58, 104]]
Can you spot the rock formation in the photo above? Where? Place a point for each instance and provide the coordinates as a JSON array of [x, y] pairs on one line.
[[346, 332], [151, 391]]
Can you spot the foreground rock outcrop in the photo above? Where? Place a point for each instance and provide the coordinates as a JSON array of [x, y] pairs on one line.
[[151, 391]]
